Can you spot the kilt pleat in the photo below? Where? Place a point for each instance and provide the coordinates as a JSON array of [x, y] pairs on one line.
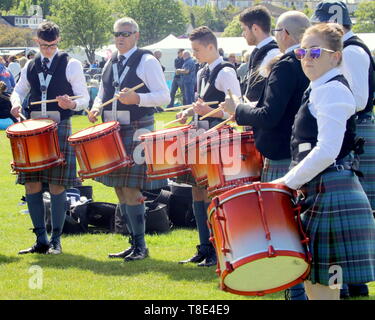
[[341, 228], [66, 174], [367, 159], [274, 169], [134, 176]]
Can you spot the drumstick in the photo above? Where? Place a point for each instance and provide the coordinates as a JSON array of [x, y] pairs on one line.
[[22, 116], [53, 100], [189, 106], [221, 124], [246, 100], [170, 122], [88, 112], [117, 97], [211, 113]]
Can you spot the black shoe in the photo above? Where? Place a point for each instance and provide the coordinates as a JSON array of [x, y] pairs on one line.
[[36, 248], [55, 248], [137, 254], [121, 254], [358, 290], [208, 262], [198, 257]]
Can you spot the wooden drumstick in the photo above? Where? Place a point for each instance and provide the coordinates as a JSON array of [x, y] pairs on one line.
[[22, 116], [221, 124], [211, 113], [117, 97], [176, 120], [189, 106], [53, 100]]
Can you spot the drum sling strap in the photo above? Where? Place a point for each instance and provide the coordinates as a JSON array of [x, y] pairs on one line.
[[44, 83], [116, 83]]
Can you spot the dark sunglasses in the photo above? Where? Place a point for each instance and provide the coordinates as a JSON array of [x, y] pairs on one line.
[[314, 53], [125, 34]]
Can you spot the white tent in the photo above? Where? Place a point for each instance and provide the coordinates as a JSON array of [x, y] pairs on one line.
[[369, 39]]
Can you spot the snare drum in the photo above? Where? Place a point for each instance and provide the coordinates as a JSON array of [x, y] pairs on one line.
[[258, 242], [232, 160], [35, 145], [99, 150], [165, 157]]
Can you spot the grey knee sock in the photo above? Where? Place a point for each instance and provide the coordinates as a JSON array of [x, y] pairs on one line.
[[58, 212], [136, 216], [36, 209]]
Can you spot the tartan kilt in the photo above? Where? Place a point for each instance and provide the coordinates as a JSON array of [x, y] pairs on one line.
[[366, 129], [134, 176], [341, 228], [274, 169], [63, 175]]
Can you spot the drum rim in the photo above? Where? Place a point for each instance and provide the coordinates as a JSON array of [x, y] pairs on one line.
[[219, 140], [153, 135], [224, 197], [94, 135], [33, 132]]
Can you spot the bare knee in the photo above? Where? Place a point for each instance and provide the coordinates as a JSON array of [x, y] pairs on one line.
[[198, 193], [33, 187], [56, 189]]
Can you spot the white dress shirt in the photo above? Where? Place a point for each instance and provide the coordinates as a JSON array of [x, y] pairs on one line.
[[269, 56], [74, 75], [15, 70], [332, 104], [355, 66], [150, 72], [226, 78]]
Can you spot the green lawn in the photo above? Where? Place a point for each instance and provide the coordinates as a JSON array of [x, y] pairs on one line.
[[84, 271]]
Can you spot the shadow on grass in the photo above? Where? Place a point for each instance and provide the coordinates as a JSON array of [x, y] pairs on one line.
[[6, 259], [117, 267]]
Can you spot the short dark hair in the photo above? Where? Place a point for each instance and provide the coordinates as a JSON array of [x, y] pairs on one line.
[[204, 35], [258, 15], [48, 31]]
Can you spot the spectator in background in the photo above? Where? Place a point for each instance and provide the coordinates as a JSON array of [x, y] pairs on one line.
[[102, 63], [14, 68], [157, 55], [188, 73], [177, 79], [233, 60], [31, 55], [86, 65], [243, 69], [22, 61], [6, 76]]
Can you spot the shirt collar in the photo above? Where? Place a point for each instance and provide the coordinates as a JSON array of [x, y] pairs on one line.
[[128, 54], [50, 59], [325, 77], [264, 42], [215, 63], [290, 49], [348, 35]]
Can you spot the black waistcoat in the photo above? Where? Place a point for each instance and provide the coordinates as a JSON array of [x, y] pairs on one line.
[[305, 129], [58, 86], [131, 80], [371, 73], [213, 94], [256, 82]]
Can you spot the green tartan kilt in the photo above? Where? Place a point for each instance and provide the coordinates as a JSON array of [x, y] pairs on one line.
[[341, 228]]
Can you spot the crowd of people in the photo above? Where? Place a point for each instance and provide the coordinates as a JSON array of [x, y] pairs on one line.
[[306, 91]]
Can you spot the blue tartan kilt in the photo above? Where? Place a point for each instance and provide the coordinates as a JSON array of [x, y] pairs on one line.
[[367, 159], [274, 169], [341, 228], [64, 175], [134, 176]]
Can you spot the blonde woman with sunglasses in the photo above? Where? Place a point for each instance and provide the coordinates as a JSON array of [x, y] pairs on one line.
[[337, 217]]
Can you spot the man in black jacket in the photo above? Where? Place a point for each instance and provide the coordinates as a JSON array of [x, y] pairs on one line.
[[177, 79]]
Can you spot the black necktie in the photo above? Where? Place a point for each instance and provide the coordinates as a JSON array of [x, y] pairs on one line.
[[252, 58], [206, 74], [44, 65], [306, 96], [121, 65]]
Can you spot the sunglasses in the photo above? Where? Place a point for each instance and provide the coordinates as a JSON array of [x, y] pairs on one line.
[[125, 34], [273, 31], [314, 53]]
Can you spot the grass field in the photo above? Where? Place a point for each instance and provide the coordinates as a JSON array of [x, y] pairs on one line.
[[84, 271]]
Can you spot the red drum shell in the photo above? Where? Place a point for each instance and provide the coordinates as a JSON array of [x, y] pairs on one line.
[[99, 150], [35, 145], [257, 239]]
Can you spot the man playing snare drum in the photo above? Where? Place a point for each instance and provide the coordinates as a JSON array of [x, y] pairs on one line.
[[127, 68], [51, 74]]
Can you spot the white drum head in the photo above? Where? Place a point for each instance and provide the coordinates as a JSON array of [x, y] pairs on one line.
[[93, 130], [30, 125]]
